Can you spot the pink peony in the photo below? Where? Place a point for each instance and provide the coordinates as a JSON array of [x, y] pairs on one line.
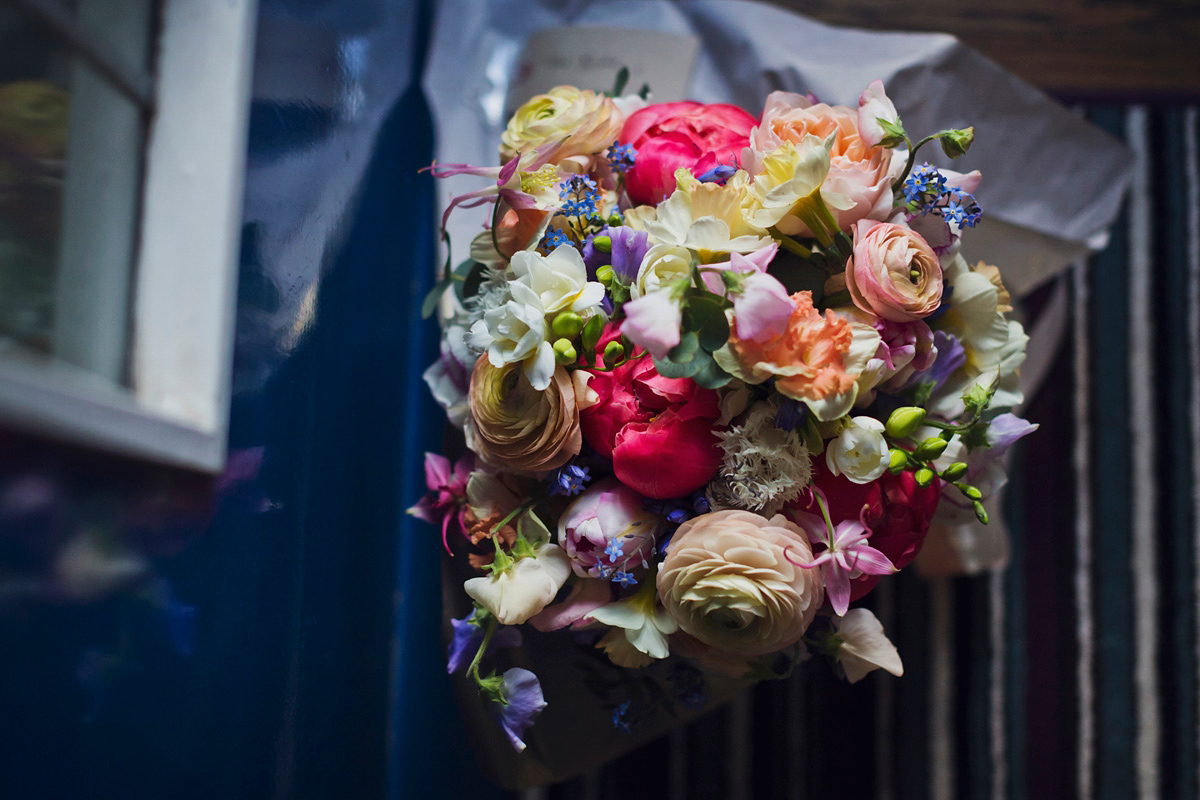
[[668, 136], [659, 432]]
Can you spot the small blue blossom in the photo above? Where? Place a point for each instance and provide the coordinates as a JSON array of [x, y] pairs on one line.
[[580, 197], [620, 717], [923, 186], [555, 237], [718, 174], [700, 504], [613, 550], [624, 578], [569, 480], [621, 157]]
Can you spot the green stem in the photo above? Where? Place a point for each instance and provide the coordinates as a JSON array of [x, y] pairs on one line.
[[825, 513], [473, 670], [912, 158], [528, 504], [790, 244]]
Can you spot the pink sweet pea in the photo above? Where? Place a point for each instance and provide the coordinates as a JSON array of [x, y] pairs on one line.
[[447, 494], [763, 308], [874, 105], [652, 321]]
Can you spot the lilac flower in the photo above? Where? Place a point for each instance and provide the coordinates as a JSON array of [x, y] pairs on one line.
[[521, 701], [763, 308], [847, 555], [950, 356], [652, 321], [468, 636], [628, 249]]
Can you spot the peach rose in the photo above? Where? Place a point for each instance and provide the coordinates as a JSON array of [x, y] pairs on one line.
[[730, 579], [518, 426], [857, 172], [894, 273]]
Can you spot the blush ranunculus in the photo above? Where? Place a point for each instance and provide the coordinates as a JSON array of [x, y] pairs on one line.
[[857, 171], [894, 273], [897, 511], [659, 432], [694, 136]]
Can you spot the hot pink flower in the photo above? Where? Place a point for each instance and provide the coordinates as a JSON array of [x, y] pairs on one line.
[[668, 136], [447, 494]]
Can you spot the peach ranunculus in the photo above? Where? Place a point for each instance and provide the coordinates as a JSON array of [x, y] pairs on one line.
[[858, 173], [587, 122], [894, 273], [518, 426], [731, 580], [816, 359]]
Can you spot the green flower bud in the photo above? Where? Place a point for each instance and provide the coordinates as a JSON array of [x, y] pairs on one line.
[[615, 221], [605, 275], [613, 352], [931, 448], [567, 325], [564, 352], [969, 491], [923, 477], [955, 471], [602, 243], [955, 143], [981, 512], [897, 461], [904, 422]]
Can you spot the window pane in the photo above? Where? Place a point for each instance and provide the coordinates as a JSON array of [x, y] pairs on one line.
[[70, 172]]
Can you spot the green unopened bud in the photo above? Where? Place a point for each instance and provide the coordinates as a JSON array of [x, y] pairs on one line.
[[602, 243], [904, 421], [931, 448], [923, 477], [615, 221], [613, 352], [897, 461], [980, 512], [605, 275], [955, 143], [955, 471], [969, 491], [567, 325], [564, 352]]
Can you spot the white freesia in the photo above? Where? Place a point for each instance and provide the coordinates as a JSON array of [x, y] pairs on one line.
[[645, 623], [516, 331], [864, 646], [994, 345], [559, 279], [859, 452], [525, 588]]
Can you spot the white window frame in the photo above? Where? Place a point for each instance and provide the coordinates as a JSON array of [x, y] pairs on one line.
[[176, 410]]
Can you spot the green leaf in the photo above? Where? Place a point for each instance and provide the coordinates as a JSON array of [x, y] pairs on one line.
[[434, 297], [712, 376], [894, 133], [669, 369], [472, 278], [644, 92], [622, 79], [705, 314], [685, 351]]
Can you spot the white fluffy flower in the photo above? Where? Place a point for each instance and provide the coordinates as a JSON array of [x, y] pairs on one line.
[[864, 646], [516, 331], [763, 468], [859, 452], [525, 588], [559, 279]]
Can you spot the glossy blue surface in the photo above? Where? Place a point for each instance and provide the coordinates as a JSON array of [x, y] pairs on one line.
[[282, 637]]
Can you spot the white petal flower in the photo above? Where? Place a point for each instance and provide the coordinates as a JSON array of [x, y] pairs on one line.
[[523, 589], [859, 452], [645, 623], [516, 331], [662, 266], [559, 279], [864, 646]]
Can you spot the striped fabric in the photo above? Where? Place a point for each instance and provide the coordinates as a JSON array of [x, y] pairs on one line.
[[1073, 673]]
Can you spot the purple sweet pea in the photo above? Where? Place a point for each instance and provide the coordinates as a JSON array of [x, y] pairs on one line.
[[523, 701], [467, 638], [950, 356], [763, 308], [628, 249], [652, 321]]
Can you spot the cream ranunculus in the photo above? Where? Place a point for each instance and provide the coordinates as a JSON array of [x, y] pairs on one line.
[[518, 426], [525, 588], [663, 265], [731, 580], [586, 122]]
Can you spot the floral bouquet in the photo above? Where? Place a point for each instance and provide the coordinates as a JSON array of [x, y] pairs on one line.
[[715, 374]]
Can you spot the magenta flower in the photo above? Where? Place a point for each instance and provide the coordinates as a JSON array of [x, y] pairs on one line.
[[447, 494]]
